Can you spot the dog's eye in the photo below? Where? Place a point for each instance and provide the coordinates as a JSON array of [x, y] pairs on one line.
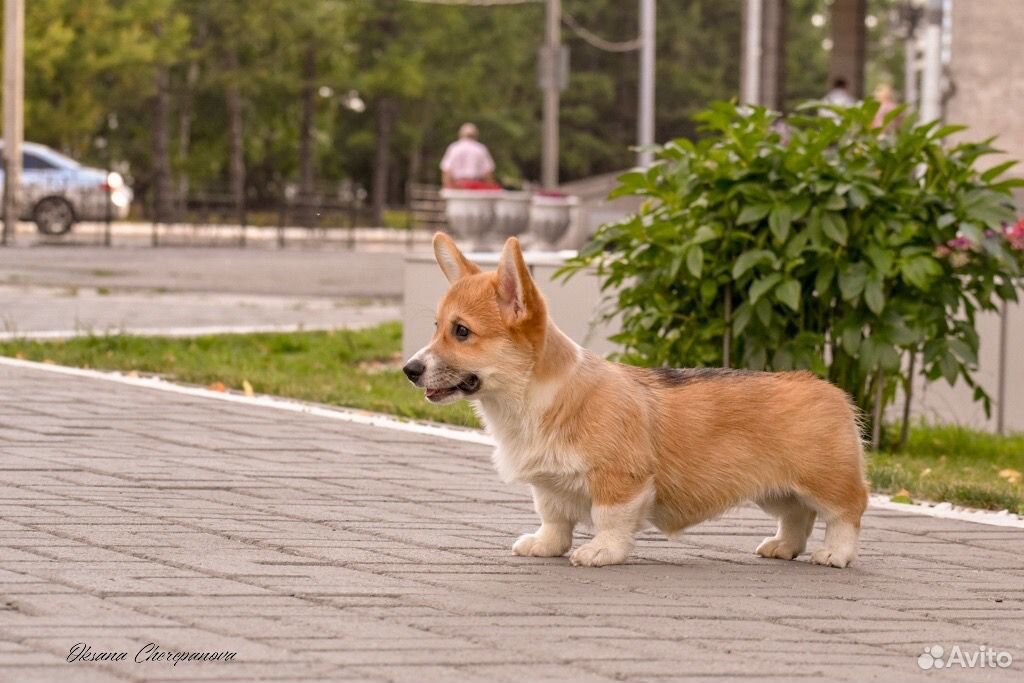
[[461, 332]]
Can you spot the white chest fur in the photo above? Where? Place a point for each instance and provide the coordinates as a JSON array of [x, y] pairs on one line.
[[528, 454]]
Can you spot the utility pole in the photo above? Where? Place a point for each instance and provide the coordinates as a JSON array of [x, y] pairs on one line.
[[931, 78], [750, 86], [14, 93], [551, 56], [645, 125]]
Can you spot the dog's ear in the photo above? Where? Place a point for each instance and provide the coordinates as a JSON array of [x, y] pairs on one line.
[[453, 264], [518, 298]]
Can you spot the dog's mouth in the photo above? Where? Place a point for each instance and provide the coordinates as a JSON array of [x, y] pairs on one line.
[[467, 387]]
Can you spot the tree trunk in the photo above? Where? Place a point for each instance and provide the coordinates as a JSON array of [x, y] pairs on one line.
[[185, 136], [236, 142], [163, 205], [306, 155], [382, 160]]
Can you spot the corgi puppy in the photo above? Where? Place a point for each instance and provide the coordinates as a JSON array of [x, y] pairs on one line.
[[620, 447]]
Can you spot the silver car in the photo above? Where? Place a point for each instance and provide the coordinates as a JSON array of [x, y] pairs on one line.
[[56, 191]]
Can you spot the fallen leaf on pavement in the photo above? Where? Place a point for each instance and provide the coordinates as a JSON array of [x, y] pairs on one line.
[[217, 386], [901, 496]]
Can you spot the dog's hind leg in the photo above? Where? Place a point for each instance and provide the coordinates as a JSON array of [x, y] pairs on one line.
[[841, 503], [796, 521]]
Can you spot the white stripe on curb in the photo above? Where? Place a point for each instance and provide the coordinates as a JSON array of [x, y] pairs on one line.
[[941, 510]]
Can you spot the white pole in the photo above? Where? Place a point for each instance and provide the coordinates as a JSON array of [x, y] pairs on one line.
[[751, 93], [549, 132], [645, 125], [14, 94], [931, 78], [910, 70]]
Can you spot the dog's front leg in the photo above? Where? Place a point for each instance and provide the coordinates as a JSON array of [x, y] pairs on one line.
[[616, 519], [557, 520]]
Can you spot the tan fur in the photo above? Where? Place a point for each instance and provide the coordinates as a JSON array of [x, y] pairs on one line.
[[621, 446]]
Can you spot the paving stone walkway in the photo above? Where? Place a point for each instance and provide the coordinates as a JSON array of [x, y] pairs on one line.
[[322, 550]]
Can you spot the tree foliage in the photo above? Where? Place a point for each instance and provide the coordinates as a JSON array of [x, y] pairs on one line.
[[92, 64]]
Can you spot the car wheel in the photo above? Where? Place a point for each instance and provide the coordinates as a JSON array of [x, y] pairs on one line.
[[53, 216]]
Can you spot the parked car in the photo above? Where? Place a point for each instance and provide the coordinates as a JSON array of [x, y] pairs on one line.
[[56, 191]]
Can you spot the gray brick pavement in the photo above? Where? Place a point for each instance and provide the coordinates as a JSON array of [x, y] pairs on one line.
[[322, 550]]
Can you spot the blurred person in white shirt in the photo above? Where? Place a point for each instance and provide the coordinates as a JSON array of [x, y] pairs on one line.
[[467, 161]]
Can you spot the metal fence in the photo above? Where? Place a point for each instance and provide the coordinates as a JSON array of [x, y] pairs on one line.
[[211, 216]]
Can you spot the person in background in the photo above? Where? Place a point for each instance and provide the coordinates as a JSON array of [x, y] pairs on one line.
[[838, 96], [466, 162], [886, 102]]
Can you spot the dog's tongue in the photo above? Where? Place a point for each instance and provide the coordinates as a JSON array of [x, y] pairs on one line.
[[435, 393]]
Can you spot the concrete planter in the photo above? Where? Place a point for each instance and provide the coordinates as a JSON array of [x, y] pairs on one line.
[[511, 214], [470, 213], [550, 218]]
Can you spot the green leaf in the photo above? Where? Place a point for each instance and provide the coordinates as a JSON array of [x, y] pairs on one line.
[[748, 260], [880, 258], [741, 318], [695, 260], [764, 312], [789, 293], [835, 203], [873, 295], [834, 227], [963, 350], [708, 291], [762, 286], [753, 213], [945, 131], [920, 271], [705, 233], [851, 281], [949, 367], [997, 170], [779, 221], [850, 339], [823, 281]]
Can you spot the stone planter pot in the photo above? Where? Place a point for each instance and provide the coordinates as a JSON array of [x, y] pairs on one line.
[[470, 214], [511, 214], [550, 217]]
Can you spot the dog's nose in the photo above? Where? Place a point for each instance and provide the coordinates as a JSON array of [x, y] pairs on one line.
[[414, 369]]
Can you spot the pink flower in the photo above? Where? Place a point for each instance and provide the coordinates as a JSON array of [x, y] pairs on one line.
[[959, 243], [1015, 235]]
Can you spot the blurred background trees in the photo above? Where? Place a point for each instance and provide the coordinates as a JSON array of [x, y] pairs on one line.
[[257, 99]]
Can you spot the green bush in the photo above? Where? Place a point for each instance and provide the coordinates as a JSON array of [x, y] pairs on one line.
[[819, 242]]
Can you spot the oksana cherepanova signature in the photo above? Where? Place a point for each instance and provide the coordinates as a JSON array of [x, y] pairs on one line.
[[150, 652]]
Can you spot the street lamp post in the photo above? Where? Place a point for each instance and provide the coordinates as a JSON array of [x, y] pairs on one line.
[[551, 84], [14, 93], [646, 109]]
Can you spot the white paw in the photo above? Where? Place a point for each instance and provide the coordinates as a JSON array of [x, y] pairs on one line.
[[532, 545], [595, 554], [833, 557], [778, 548]]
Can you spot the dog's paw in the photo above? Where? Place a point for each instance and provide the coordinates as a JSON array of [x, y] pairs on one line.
[[595, 554], [778, 548], [532, 545], [832, 557]]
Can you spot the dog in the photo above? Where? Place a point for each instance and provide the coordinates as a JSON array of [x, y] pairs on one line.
[[620, 447]]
